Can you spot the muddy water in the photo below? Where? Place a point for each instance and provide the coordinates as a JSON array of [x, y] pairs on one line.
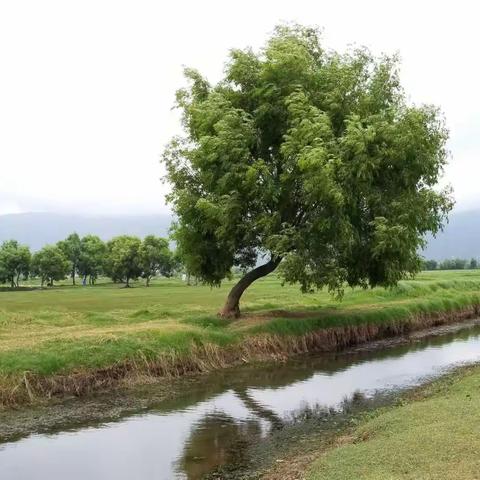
[[214, 421]]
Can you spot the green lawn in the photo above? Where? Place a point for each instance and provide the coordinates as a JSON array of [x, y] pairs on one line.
[[433, 438], [76, 329]]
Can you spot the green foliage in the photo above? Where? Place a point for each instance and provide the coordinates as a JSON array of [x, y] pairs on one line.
[[155, 257], [93, 252], [307, 155], [125, 258], [15, 261], [453, 264], [50, 264], [430, 265], [124, 262], [71, 248]]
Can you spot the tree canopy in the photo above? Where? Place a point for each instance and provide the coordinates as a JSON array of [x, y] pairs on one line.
[[155, 257], [92, 258], [311, 159], [14, 261], [71, 248], [123, 258], [50, 264], [123, 261]]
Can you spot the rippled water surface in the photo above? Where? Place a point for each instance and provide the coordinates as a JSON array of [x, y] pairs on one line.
[[206, 427]]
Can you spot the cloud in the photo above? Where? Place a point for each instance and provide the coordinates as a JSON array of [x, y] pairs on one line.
[[87, 88]]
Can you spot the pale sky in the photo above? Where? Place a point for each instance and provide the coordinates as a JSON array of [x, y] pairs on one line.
[[86, 87]]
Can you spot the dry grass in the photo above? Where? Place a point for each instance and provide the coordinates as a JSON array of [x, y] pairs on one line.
[[208, 357], [65, 347]]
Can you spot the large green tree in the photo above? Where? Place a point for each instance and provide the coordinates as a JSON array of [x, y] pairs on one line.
[[71, 249], [155, 257], [123, 261], [14, 261], [308, 159], [50, 264], [92, 258]]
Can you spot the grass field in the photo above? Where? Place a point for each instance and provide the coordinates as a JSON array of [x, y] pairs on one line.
[[68, 329], [434, 437]]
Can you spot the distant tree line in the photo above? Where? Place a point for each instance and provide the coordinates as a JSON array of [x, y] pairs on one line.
[[123, 259], [450, 264]]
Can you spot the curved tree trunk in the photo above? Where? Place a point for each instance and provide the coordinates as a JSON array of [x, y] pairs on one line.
[[231, 308]]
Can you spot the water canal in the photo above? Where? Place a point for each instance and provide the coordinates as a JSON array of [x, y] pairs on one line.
[[219, 417]]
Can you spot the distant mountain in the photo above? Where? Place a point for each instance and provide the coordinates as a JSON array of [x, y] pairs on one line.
[[460, 238], [38, 229]]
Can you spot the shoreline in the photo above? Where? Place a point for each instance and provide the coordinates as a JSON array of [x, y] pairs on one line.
[[109, 406], [32, 389], [302, 462]]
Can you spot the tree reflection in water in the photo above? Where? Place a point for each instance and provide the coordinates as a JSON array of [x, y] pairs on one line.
[[215, 441], [219, 440], [229, 425]]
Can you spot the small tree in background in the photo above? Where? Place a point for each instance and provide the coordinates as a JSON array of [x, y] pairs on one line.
[[307, 158], [459, 263], [155, 257], [71, 249], [473, 264], [50, 264], [453, 264], [430, 265], [92, 258], [177, 266], [123, 261], [15, 261]]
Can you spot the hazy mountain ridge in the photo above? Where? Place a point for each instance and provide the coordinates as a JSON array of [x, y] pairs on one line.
[[39, 229], [461, 237]]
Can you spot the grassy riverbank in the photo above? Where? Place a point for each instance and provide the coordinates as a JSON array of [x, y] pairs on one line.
[[433, 435], [75, 339]]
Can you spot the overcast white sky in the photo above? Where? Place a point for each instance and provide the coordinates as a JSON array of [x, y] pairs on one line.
[[86, 87]]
